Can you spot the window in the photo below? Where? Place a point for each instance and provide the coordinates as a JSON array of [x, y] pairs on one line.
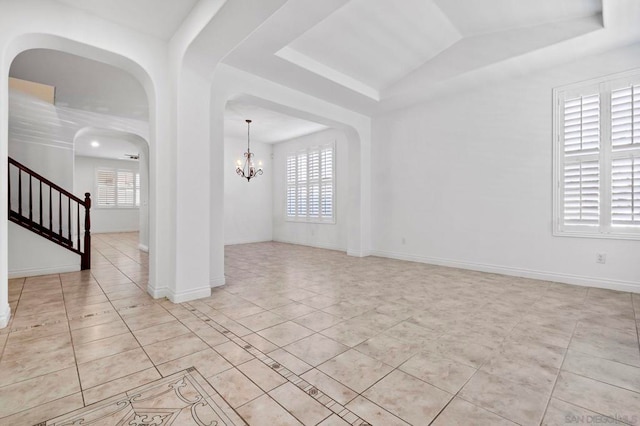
[[311, 185], [597, 158], [118, 188]]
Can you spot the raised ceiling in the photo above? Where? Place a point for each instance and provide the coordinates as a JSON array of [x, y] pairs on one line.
[[372, 56], [159, 18], [267, 126], [83, 84]]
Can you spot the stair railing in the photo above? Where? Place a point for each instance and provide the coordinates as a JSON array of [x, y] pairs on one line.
[[52, 216]]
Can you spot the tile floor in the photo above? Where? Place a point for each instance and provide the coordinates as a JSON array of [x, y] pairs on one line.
[[308, 336]]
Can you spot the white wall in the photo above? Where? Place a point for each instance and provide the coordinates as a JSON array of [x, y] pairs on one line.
[[332, 236], [37, 255], [467, 181], [247, 205], [104, 219]]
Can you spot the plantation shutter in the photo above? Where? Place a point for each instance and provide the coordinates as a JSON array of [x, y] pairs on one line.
[[327, 181], [291, 186], [581, 171], [137, 189], [314, 183], [625, 191], [126, 188], [625, 117], [311, 185], [582, 193], [106, 187], [625, 164]]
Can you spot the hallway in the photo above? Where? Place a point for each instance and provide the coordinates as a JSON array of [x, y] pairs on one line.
[[301, 335]]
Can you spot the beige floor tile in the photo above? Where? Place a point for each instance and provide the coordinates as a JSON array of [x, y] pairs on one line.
[[514, 401], [293, 310], [102, 370], [41, 346], [316, 349], [285, 333], [462, 413], [207, 362], [608, 343], [104, 318], [355, 370], [528, 372], [329, 386], [261, 320], [46, 411], [35, 365], [264, 411], [121, 385], [290, 362], [261, 375], [411, 399], [319, 302], [317, 321], [614, 373], [388, 350], [40, 390], [97, 332], [443, 373], [233, 353], [599, 397], [349, 334], [374, 414], [160, 332], [138, 322], [259, 343], [105, 347], [235, 387], [18, 337], [176, 347], [302, 406], [333, 420], [560, 413]]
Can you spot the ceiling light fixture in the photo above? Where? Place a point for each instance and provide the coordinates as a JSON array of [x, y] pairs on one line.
[[95, 144], [248, 171]]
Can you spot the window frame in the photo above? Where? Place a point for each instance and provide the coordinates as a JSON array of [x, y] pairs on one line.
[[116, 205], [320, 219], [603, 86]]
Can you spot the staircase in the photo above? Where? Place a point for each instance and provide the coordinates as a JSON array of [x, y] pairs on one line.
[[41, 206]]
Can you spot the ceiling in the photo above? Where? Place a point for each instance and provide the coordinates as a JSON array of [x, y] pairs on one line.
[[159, 18], [110, 146], [372, 56], [267, 126], [83, 84]]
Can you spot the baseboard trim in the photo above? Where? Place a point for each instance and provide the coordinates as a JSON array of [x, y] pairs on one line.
[[143, 248], [236, 242], [5, 315], [218, 281], [620, 285], [358, 253], [316, 245], [186, 296], [158, 293], [32, 272]]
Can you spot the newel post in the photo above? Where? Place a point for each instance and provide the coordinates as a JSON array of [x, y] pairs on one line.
[[86, 255]]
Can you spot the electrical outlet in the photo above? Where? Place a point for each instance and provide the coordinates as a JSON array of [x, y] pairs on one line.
[[601, 257]]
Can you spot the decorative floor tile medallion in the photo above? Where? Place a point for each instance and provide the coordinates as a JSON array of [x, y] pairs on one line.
[[184, 398]]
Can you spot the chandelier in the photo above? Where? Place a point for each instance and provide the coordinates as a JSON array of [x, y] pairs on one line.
[[248, 170]]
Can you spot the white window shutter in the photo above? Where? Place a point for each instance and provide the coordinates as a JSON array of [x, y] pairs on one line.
[[625, 191], [582, 193], [125, 188], [106, 187], [582, 124], [625, 117]]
